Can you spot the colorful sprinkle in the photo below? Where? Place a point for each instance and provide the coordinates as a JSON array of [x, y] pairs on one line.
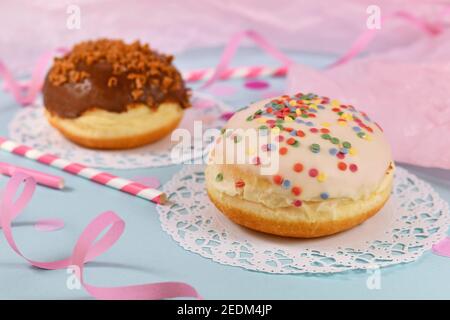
[[333, 151], [315, 148], [346, 144], [324, 195], [334, 140], [321, 177], [256, 161], [300, 133], [340, 155], [335, 102], [352, 151], [278, 179], [283, 150], [342, 166], [219, 177], [286, 184], [296, 190], [239, 184], [348, 116], [275, 130], [313, 173], [297, 203], [279, 138], [291, 141], [261, 120], [353, 167], [298, 167], [266, 147]]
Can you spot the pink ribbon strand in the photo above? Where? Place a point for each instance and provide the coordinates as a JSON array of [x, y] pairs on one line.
[[365, 38], [88, 247], [230, 51], [26, 93]]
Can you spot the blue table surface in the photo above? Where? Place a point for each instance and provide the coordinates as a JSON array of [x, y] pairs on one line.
[[145, 253]]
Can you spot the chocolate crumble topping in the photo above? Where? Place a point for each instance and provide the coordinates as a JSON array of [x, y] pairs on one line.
[[111, 75]]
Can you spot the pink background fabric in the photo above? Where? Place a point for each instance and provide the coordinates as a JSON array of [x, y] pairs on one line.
[[406, 90], [31, 26]]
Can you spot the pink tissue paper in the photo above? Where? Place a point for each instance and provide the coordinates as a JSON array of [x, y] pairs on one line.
[[406, 90]]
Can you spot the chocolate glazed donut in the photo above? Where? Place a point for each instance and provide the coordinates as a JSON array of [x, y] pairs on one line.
[[113, 77], [84, 79]]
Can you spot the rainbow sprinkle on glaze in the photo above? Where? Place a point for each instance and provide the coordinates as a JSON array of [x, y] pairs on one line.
[[298, 124]]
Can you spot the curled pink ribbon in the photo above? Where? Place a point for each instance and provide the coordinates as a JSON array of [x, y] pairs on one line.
[[366, 37], [442, 248], [86, 249], [26, 93], [232, 46]]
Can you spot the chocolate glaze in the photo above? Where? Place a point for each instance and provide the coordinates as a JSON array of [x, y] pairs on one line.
[[72, 99]]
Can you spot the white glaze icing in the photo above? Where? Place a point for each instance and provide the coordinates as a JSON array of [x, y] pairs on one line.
[[370, 153]]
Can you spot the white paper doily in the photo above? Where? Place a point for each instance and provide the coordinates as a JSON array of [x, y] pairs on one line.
[[412, 221], [30, 127]]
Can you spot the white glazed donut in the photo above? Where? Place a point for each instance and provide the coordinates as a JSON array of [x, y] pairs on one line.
[[331, 167]]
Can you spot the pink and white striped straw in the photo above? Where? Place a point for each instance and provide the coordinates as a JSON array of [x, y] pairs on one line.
[[104, 178], [251, 72]]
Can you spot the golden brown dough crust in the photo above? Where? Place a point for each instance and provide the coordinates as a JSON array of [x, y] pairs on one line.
[[287, 222], [98, 137]]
